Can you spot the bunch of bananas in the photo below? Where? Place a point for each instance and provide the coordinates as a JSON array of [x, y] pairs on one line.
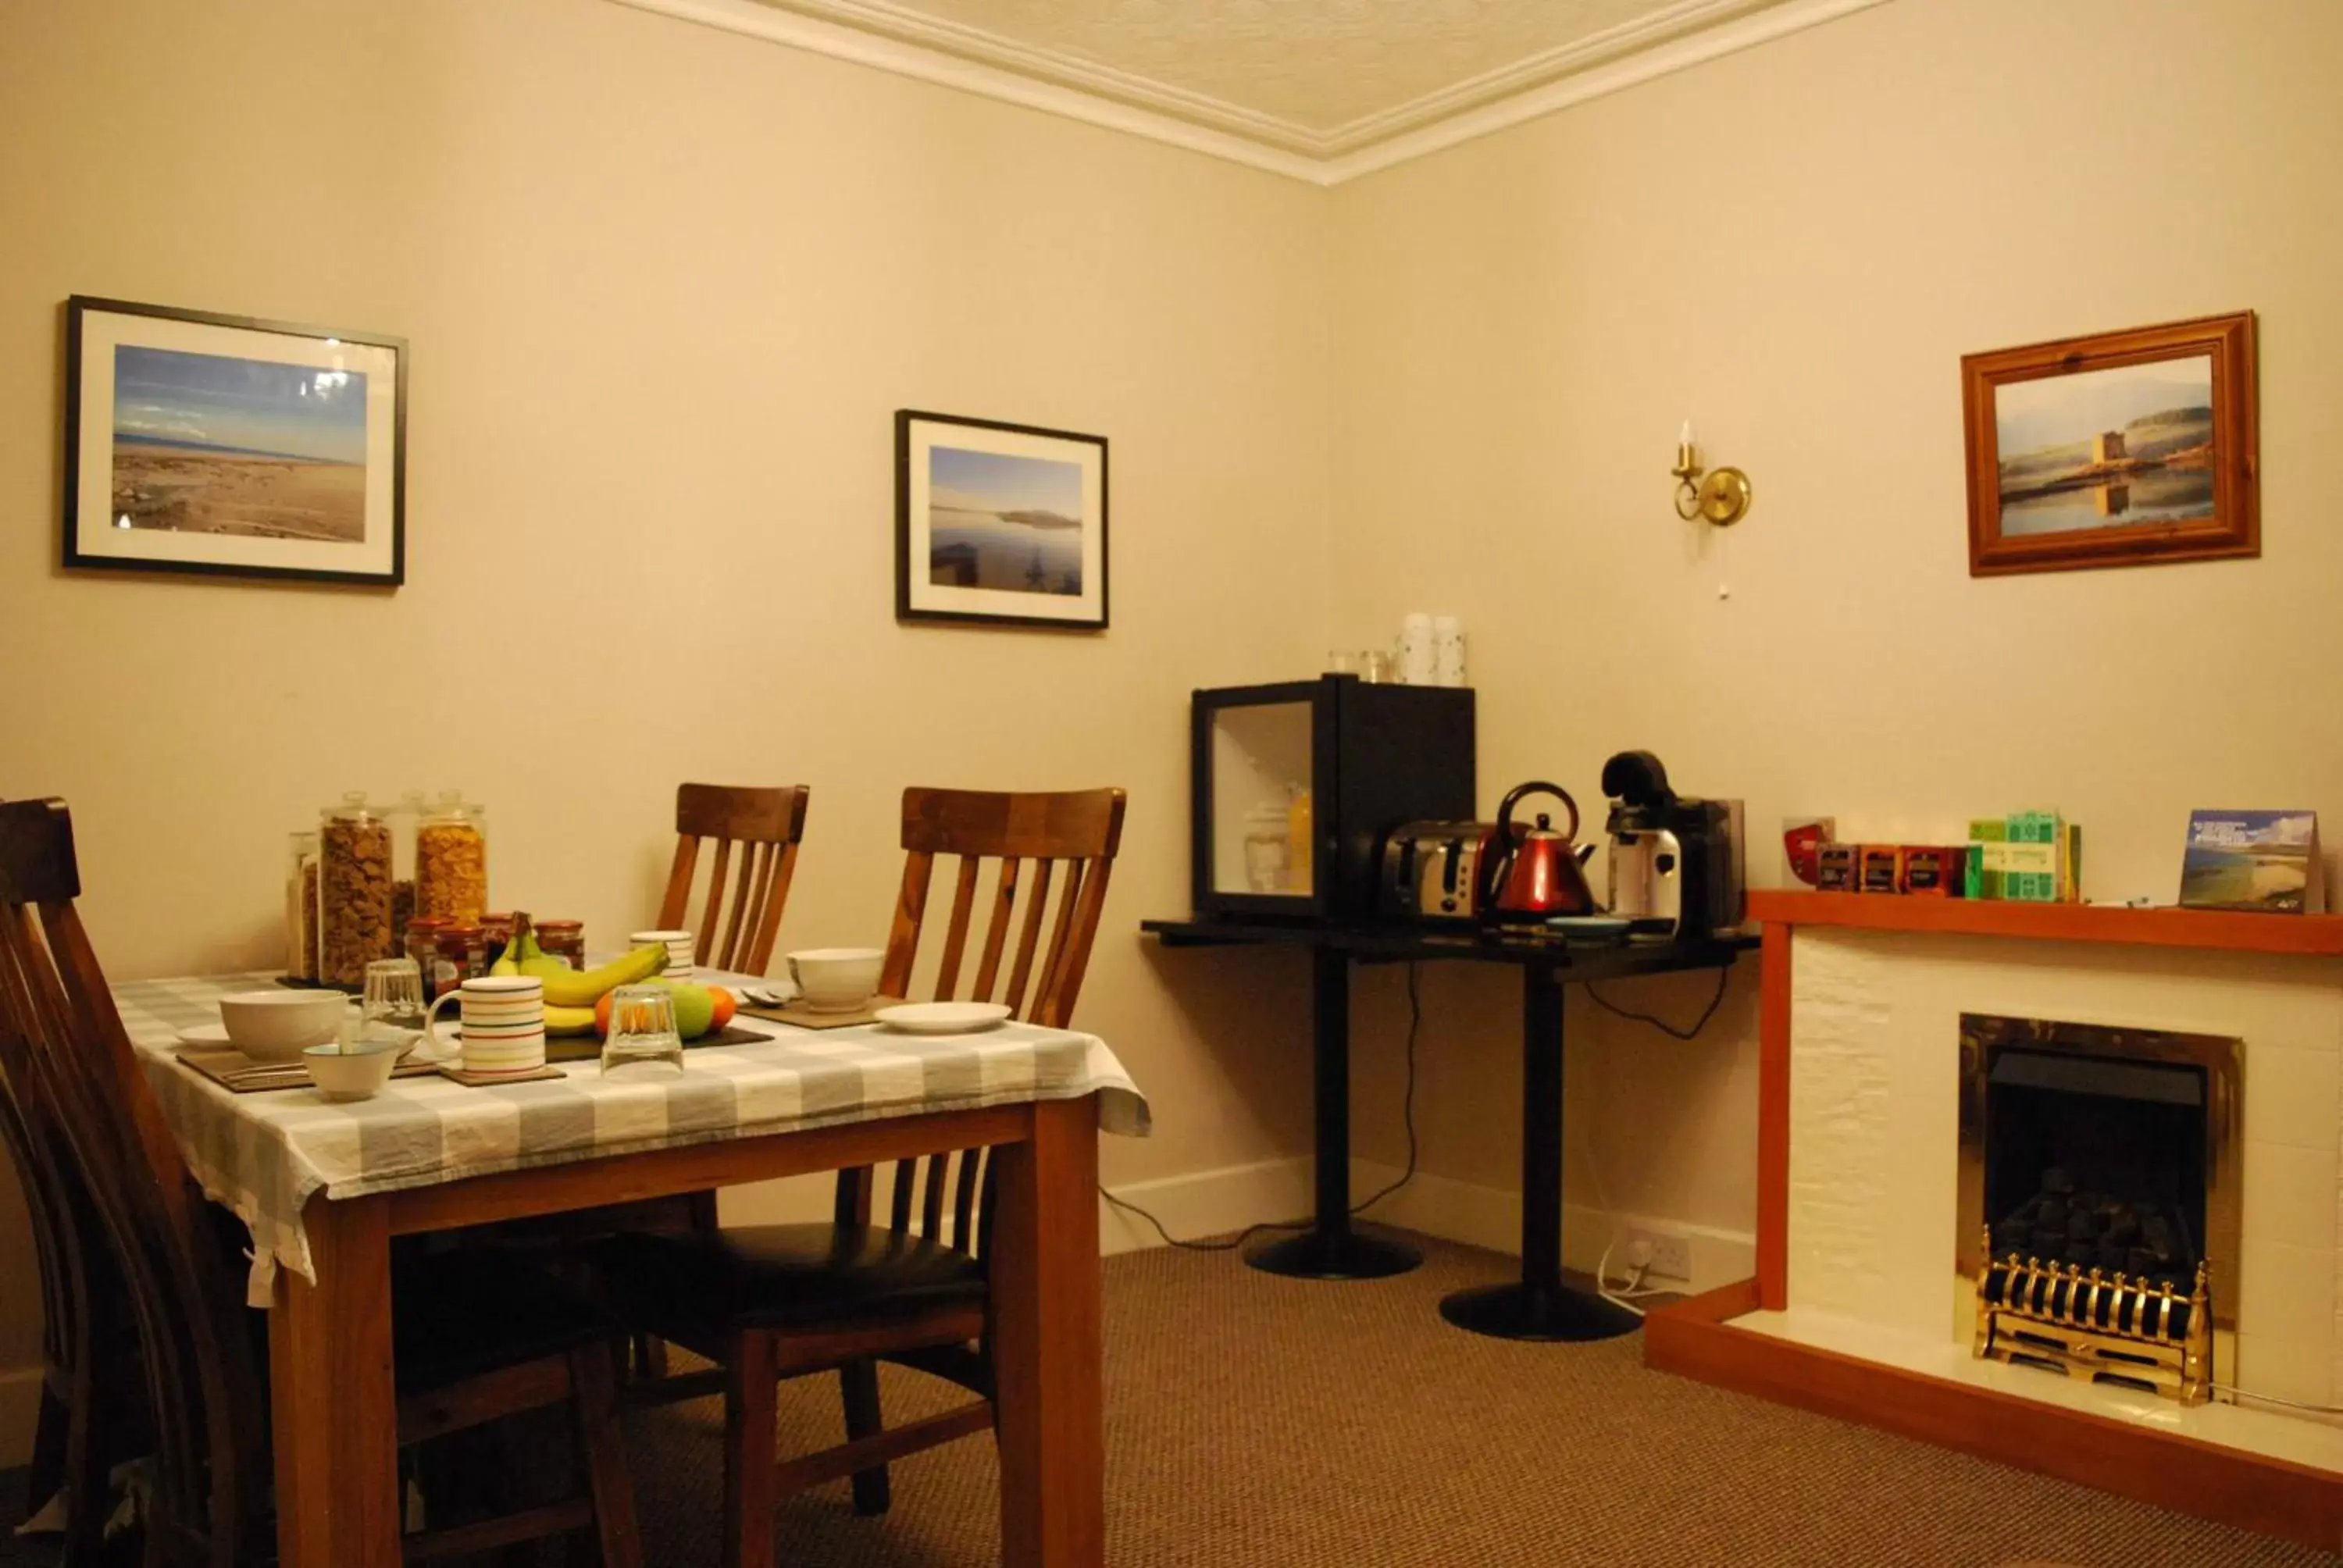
[[570, 994]]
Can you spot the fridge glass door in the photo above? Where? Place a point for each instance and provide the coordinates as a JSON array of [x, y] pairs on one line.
[[1260, 806]]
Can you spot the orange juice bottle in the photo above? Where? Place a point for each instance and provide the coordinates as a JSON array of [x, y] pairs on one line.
[[1299, 837]]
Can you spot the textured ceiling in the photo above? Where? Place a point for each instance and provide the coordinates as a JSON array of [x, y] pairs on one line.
[[1320, 74]]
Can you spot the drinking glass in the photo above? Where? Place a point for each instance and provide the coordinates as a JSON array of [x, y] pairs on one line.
[[393, 1002], [642, 1042], [1375, 667]]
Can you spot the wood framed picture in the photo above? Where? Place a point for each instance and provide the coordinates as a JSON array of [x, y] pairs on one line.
[[996, 522], [2118, 449], [197, 442]]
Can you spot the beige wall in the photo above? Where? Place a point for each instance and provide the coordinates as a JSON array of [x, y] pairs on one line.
[[665, 288], [1794, 247]]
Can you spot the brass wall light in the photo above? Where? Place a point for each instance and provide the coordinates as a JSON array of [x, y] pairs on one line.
[[1720, 495]]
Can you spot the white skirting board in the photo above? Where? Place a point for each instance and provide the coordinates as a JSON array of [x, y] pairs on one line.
[[1216, 1203]]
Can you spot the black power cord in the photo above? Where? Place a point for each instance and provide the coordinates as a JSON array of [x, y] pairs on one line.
[[1599, 1000], [1230, 1244]]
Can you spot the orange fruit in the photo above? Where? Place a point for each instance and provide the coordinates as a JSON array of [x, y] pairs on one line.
[[726, 1006]]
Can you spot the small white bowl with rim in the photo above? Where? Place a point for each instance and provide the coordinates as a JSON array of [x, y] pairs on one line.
[[357, 1072]]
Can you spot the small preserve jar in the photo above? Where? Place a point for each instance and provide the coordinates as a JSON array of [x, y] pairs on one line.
[[562, 939], [423, 946], [301, 909], [354, 891], [461, 957], [451, 861], [496, 933]]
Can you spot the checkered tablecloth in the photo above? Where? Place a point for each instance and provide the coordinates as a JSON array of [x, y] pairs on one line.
[[264, 1155]]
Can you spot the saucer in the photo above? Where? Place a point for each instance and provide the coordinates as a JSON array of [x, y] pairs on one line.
[[943, 1017]]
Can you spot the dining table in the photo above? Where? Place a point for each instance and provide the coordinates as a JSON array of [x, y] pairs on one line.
[[324, 1185]]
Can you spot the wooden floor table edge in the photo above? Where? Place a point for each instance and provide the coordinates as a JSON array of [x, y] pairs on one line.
[[329, 1342]]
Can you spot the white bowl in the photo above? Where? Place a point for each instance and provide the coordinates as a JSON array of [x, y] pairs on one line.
[[357, 1073], [837, 980], [278, 1025]]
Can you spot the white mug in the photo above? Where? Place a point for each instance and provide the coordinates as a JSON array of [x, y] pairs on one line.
[[837, 980], [502, 1023], [679, 944]]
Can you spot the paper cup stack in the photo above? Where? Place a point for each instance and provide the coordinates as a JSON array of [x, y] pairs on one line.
[[503, 1024], [678, 950]]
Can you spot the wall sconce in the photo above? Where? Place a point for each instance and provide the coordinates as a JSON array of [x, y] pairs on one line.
[[1721, 494]]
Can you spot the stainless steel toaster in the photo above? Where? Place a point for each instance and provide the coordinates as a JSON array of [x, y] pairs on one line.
[[1429, 870]]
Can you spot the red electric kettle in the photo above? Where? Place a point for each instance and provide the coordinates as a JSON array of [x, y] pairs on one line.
[[1530, 874]]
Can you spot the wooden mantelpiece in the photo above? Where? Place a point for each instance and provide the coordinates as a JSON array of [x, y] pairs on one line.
[[2313, 936], [1699, 1340]]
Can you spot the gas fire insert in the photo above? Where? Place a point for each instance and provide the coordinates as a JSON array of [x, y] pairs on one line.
[[2100, 1196]]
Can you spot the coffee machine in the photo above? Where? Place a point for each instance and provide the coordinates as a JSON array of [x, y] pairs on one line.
[[1676, 861]]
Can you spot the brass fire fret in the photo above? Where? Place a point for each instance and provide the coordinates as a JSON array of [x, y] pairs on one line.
[[2090, 1326]]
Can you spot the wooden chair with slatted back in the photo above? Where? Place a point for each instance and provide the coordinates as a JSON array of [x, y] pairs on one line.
[[475, 1338], [88, 1349], [773, 1302], [765, 826]]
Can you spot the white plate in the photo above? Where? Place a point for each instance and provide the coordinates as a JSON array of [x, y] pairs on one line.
[[205, 1035], [943, 1016]]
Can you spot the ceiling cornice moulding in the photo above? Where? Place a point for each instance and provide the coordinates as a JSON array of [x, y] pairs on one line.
[[889, 37]]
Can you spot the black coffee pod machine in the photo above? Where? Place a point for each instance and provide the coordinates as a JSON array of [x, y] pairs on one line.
[[1675, 862]]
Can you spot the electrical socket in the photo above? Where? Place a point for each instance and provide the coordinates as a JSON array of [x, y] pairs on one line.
[[1669, 1253]]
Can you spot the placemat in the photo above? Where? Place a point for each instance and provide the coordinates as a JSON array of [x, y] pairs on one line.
[[586, 1047], [491, 1079], [804, 1017], [240, 1074]]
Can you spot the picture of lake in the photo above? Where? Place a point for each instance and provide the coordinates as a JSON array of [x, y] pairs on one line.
[[1010, 523], [209, 443], [2106, 449]]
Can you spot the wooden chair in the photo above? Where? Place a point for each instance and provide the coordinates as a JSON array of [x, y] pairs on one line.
[[766, 826], [775, 1301], [89, 1350], [476, 1338]]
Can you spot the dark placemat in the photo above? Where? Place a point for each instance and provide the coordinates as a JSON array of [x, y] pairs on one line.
[[240, 1074], [586, 1047], [804, 1017], [454, 1070]]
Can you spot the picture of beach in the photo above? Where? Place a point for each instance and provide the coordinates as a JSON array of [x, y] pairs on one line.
[[998, 521], [2106, 449], [2258, 860], [213, 444]]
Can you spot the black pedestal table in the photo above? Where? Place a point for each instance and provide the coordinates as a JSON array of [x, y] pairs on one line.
[[1538, 1306]]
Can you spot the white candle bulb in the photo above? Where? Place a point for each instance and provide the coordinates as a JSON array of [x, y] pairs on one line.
[[1685, 439]]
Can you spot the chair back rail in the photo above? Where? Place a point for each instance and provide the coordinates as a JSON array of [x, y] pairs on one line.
[[765, 826], [63, 1032], [1063, 843]]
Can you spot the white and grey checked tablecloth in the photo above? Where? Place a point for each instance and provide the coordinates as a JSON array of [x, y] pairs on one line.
[[264, 1155]]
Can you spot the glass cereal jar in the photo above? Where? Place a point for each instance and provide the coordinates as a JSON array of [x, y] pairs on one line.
[[451, 861]]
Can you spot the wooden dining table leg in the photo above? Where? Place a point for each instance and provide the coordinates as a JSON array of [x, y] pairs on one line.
[[1048, 1341], [336, 1428]]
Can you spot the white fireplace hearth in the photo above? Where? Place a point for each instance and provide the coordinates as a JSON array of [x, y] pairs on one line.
[[1874, 1185]]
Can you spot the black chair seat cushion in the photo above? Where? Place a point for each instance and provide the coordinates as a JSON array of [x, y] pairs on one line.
[[457, 1314], [781, 1276]]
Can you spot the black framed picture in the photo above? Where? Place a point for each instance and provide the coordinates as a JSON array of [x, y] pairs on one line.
[[196, 442], [998, 523]]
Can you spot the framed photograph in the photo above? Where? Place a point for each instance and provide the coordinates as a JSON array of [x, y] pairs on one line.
[[2119, 449], [205, 443], [1004, 524]]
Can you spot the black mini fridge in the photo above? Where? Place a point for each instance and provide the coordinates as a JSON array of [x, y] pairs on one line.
[[1294, 787]]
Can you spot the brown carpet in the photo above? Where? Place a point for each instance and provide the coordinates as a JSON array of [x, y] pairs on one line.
[[1261, 1423]]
